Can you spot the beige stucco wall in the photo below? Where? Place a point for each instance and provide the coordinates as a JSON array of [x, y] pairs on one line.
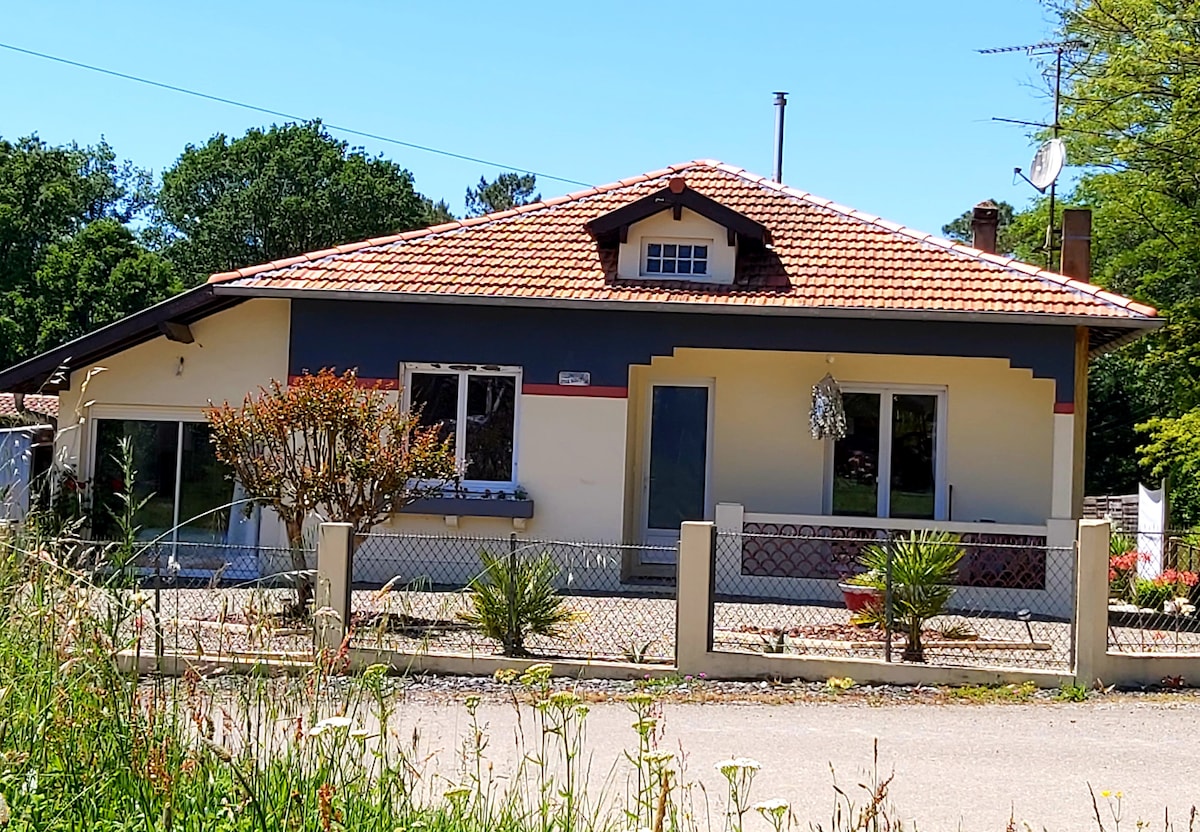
[[689, 228], [235, 352], [571, 460], [999, 428]]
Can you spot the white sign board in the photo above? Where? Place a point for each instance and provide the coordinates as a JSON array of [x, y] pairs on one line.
[[569, 378]]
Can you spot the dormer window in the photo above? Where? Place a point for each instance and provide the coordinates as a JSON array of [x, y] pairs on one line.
[[677, 234], [674, 257]]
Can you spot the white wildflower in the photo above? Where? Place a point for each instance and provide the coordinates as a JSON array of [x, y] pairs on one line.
[[775, 807], [737, 765], [331, 723]]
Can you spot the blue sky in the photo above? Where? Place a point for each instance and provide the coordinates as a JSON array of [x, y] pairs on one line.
[[890, 108]]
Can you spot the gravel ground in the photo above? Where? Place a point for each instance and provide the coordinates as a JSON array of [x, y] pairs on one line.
[[955, 766]]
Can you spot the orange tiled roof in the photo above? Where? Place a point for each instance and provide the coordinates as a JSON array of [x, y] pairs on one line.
[[823, 255], [34, 403]]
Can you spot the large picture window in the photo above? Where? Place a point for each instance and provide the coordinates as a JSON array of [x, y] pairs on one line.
[[178, 477], [477, 408], [890, 463]]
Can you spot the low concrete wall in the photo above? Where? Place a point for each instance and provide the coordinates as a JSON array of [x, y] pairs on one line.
[[359, 659], [480, 665]]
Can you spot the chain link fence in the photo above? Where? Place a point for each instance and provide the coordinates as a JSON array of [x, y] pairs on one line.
[[1154, 591], [470, 595], [204, 599], [844, 592]]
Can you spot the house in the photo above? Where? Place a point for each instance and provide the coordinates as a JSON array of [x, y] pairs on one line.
[[618, 360], [27, 424]]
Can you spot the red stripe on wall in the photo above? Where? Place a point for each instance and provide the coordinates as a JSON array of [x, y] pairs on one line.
[[378, 383], [527, 389], [569, 390], [1064, 407]]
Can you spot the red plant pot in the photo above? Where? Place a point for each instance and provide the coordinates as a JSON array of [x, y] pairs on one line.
[[859, 598]]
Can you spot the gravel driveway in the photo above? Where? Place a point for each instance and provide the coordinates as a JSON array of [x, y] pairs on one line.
[[956, 766]]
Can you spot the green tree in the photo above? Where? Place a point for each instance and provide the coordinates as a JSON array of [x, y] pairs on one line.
[[1131, 117], [506, 191], [279, 192], [438, 212], [48, 197], [1131, 120], [324, 443], [94, 278], [49, 193]]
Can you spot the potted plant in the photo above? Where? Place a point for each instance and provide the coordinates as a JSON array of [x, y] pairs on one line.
[[862, 592], [924, 566]]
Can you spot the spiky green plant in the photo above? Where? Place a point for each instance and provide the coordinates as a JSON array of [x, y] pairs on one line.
[[514, 597], [924, 565], [1121, 542]]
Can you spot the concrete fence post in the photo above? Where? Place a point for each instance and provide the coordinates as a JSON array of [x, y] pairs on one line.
[[335, 546], [693, 599], [1091, 602]]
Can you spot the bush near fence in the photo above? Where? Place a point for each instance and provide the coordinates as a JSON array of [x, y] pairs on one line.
[[411, 592], [778, 591]]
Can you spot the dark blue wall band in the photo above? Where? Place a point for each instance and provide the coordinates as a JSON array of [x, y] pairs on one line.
[[376, 337]]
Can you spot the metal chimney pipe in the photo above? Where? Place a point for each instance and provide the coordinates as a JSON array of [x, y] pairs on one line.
[[780, 104]]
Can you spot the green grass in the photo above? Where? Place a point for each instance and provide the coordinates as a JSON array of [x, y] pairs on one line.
[[990, 694], [1072, 693]]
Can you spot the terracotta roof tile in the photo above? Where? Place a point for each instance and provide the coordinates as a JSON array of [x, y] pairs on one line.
[[34, 402], [823, 255]]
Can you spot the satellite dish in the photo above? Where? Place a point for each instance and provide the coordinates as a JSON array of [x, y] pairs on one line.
[[1047, 164]]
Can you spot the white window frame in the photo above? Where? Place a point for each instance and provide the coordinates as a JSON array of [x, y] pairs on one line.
[[117, 413], [463, 371], [676, 241], [886, 392]]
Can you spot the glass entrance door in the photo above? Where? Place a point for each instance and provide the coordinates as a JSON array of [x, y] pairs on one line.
[[676, 475]]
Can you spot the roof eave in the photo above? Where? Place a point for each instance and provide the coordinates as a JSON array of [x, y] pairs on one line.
[[1121, 322], [41, 373]]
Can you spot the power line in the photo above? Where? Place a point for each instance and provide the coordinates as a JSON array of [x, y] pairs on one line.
[[231, 102]]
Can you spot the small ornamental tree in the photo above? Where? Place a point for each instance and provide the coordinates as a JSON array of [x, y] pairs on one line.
[[326, 444]]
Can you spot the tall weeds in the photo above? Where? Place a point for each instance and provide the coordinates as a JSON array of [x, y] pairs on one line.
[[86, 745]]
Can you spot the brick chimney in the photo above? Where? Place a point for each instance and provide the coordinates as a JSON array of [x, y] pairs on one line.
[[1077, 244], [985, 222]]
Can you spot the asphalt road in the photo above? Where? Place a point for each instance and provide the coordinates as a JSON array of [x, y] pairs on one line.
[[956, 766]]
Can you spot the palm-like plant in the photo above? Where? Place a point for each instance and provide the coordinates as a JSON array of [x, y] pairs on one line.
[[924, 566], [515, 597]]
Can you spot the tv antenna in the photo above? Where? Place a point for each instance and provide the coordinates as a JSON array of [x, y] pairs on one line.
[[1052, 155]]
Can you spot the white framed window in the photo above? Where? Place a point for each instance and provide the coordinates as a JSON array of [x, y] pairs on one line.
[[183, 490], [676, 257], [892, 460], [477, 406]]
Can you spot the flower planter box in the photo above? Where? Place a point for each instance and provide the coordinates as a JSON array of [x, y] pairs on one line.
[[1153, 620], [859, 598], [472, 507]]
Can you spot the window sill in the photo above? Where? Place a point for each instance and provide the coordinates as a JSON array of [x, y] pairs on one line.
[[471, 507]]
